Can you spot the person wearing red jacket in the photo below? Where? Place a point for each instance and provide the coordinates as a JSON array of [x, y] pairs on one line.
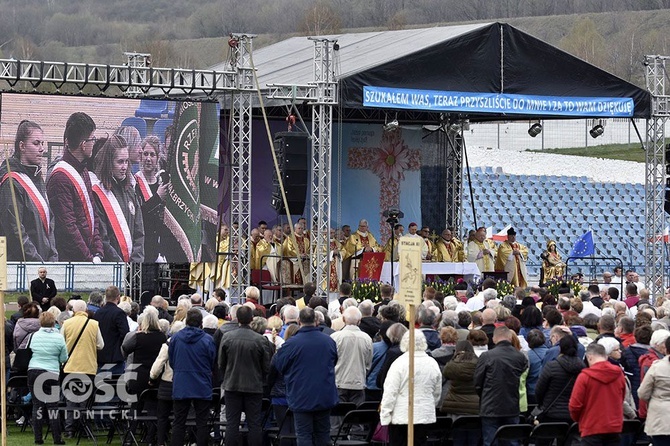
[[597, 398]]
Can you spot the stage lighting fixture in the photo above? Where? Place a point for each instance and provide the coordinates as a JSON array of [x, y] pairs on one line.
[[454, 127], [390, 126], [535, 129], [596, 131]]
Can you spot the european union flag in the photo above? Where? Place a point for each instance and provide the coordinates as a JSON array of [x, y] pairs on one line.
[[584, 246]]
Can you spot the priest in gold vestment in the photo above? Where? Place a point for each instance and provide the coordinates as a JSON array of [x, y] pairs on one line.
[[221, 273], [359, 242], [511, 258], [398, 231], [482, 251], [266, 249], [335, 254], [448, 249], [299, 251]]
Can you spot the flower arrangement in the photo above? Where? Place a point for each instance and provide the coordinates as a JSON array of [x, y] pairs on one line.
[[444, 286], [504, 288], [362, 289], [554, 285]]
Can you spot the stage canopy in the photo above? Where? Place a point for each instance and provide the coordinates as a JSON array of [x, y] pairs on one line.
[[479, 71]]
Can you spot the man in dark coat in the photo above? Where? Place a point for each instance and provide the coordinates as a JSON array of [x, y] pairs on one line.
[[496, 379], [245, 363], [43, 289], [307, 361], [113, 325]]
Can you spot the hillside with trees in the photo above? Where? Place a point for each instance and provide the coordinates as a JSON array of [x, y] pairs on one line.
[[613, 34]]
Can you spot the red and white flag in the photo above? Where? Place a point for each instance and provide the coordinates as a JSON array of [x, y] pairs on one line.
[[502, 235]]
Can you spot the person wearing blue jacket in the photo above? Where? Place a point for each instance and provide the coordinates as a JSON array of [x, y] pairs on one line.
[[192, 356], [49, 352], [307, 361]]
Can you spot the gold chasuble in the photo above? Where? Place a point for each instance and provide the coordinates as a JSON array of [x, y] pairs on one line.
[[221, 275], [448, 251], [354, 247], [514, 265], [300, 251]]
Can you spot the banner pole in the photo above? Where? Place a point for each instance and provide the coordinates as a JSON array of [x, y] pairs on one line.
[[3, 363], [410, 411]]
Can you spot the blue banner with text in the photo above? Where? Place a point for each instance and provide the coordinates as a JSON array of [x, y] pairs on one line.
[[498, 103]]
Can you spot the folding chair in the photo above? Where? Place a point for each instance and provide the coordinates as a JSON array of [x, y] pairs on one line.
[[550, 431], [519, 432], [367, 418]]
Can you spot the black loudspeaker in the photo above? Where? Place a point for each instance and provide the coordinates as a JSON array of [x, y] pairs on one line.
[[292, 150]]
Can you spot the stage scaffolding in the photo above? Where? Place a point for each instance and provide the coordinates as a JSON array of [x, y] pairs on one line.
[[322, 95], [656, 178]]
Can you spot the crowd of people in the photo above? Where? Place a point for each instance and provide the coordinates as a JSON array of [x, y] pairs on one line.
[[102, 200], [596, 358]]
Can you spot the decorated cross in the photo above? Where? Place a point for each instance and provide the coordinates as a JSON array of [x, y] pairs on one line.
[[388, 162]]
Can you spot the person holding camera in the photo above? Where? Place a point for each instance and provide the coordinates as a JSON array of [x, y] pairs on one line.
[[152, 188]]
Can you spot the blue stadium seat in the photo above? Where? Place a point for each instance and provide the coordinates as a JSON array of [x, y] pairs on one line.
[[150, 108], [139, 123], [159, 128]]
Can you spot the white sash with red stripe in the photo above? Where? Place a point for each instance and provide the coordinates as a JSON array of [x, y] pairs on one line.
[[116, 219], [35, 195], [78, 182], [144, 186]]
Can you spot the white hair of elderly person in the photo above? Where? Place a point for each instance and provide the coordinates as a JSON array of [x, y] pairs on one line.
[[184, 301], [427, 389], [132, 325], [450, 303]]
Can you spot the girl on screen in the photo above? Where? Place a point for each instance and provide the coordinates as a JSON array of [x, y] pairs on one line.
[[28, 225], [116, 205]]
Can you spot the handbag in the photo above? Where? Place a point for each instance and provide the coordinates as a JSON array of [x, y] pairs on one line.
[[381, 434], [22, 358], [537, 411]]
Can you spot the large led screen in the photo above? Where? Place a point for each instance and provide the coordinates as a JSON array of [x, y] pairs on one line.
[[113, 180]]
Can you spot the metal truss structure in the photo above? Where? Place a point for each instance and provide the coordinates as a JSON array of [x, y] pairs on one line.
[[454, 191], [136, 80], [240, 187], [322, 95], [656, 178]]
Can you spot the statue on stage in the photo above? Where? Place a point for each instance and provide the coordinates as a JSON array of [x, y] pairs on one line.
[[448, 248], [511, 258], [359, 242], [482, 251], [552, 263]]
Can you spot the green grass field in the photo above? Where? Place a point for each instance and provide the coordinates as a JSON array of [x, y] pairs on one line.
[[625, 152], [17, 438]]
